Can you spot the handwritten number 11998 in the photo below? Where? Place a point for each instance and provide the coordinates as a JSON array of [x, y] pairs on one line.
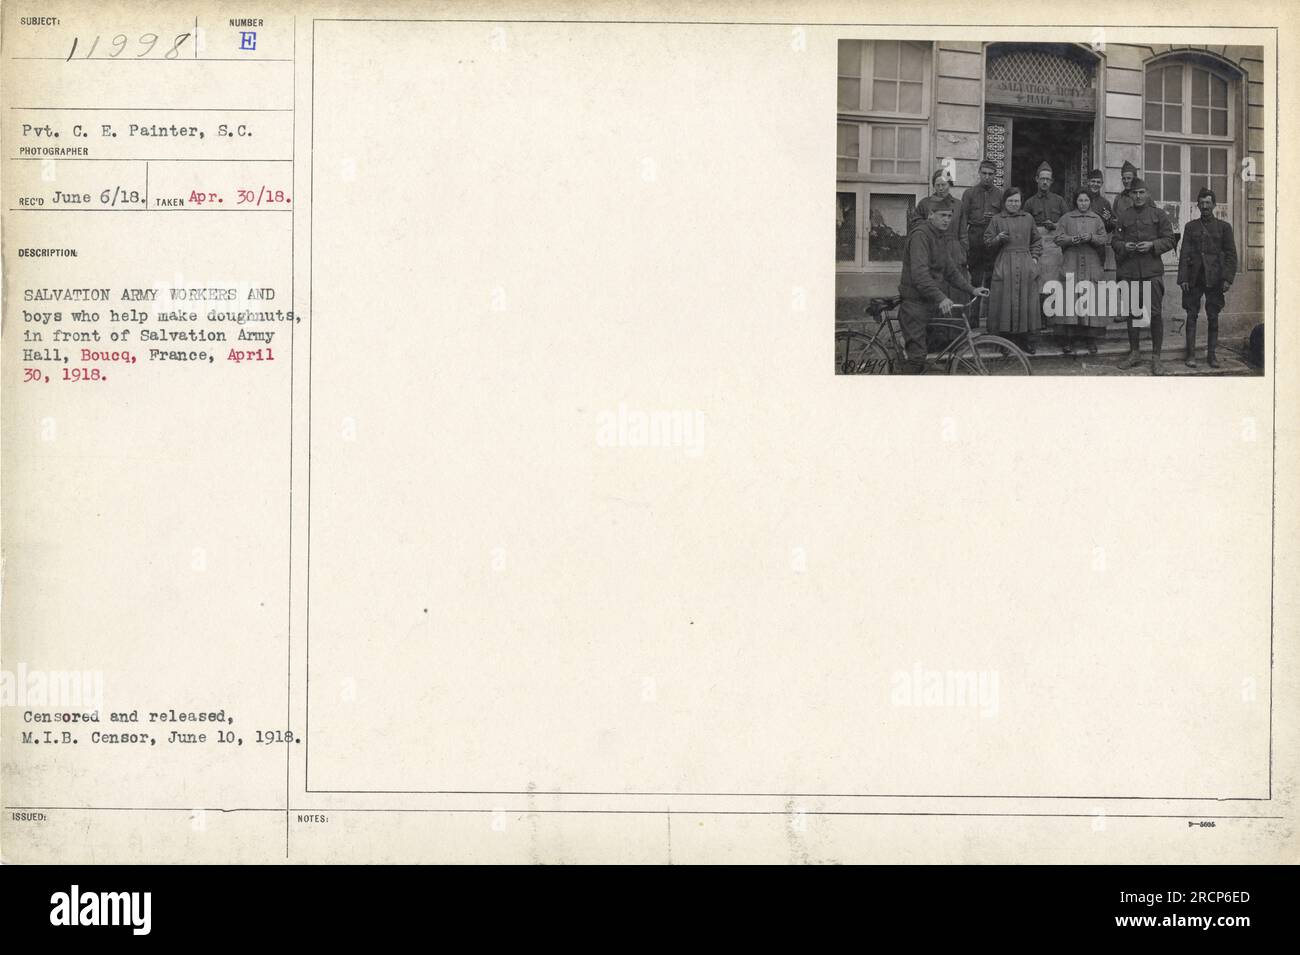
[[120, 42]]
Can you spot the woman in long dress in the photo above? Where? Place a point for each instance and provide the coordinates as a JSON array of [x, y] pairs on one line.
[[1081, 234], [1013, 293]]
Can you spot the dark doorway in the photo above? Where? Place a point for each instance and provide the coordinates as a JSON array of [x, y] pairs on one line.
[[1063, 143]]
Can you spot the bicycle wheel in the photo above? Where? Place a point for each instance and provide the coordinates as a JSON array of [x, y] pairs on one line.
[[997, 356], [859, 354]]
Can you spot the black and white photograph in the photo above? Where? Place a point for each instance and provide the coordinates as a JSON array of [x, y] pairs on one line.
[[1016, 208]]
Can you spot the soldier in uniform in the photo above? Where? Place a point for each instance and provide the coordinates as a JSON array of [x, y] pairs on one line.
[[1207, 265], [979, 204], [930, 277], [1047, 208], [941, 197], [1099, 203], [1143, 233], [954, 240], [1127, 173]]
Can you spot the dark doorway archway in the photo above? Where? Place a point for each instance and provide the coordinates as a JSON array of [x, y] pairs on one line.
[[1065, 144], [1041, 101]]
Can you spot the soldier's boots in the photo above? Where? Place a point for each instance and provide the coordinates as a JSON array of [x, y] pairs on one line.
[[1212, 343]]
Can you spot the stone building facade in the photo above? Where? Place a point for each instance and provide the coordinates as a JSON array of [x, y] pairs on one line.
[[1185, 116]]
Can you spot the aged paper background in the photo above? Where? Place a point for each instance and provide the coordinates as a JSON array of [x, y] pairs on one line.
[[503, 630]]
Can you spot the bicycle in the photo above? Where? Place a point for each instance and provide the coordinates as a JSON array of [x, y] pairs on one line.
[[862, 352]]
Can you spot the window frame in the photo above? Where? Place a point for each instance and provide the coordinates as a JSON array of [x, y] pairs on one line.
[[867, 53], [862, 182], [866, 131], [1188, 210], [867, 119], [863, 173], [1189, 67], [1226, 207], [861, 226], [857, 264], [1209, 106]]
